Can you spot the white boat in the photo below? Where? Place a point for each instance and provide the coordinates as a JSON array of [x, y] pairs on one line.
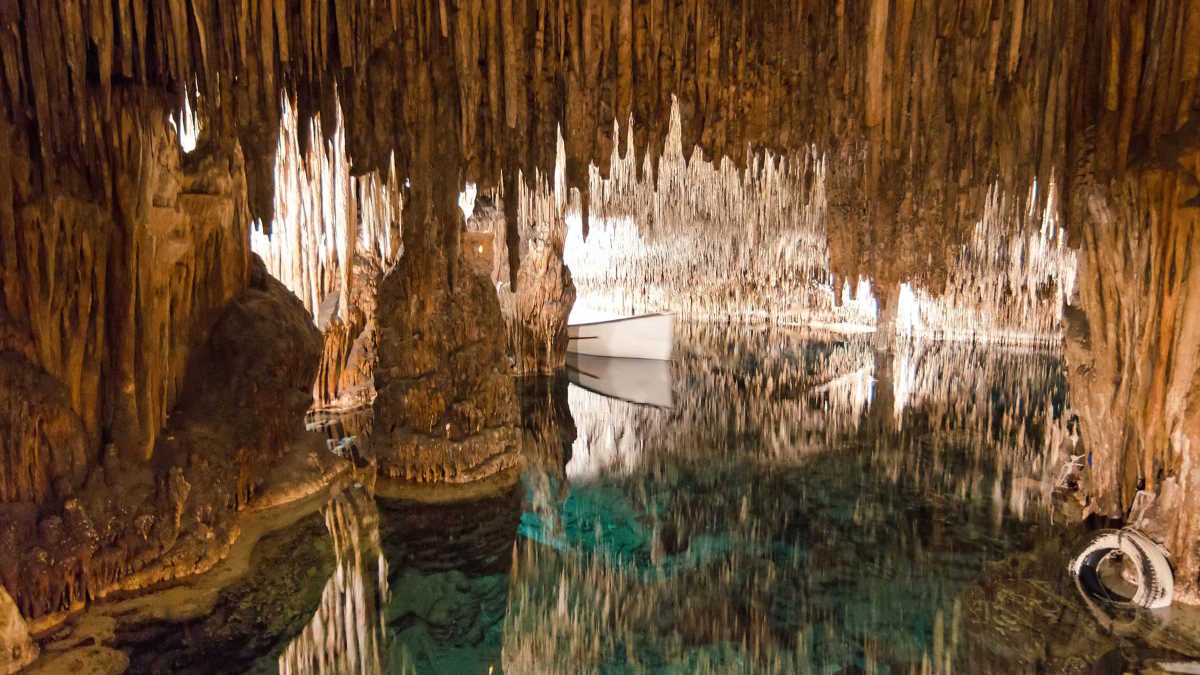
[[631, 380], [649, 336]]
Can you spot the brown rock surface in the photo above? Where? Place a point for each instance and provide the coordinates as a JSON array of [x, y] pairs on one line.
[[1134, 348], [133, 524], [446, 409]]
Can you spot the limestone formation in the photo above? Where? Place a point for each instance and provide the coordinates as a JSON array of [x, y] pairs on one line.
[[119, 251], [16, 648], [131, 525], [537, 301], [446, 410], [1134, 344]]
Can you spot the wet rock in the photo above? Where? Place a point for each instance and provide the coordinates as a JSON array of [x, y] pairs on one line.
[[16, 648], [253, 618], [1024, 615]]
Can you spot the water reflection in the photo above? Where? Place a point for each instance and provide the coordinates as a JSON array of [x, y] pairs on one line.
[[450, 571], [346, 634], [804, 503]]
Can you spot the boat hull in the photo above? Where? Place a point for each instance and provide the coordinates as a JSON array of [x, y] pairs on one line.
[[650, 336]]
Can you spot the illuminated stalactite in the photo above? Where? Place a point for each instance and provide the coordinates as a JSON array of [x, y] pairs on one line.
[[325, 217], [1010, 283], [333, 236], [708, 241]]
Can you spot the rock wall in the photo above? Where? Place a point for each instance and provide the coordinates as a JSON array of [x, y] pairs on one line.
[[135, 523], [106, 294], [1134, 346]]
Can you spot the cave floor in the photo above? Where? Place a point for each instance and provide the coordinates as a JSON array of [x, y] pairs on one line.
[[802, 504]]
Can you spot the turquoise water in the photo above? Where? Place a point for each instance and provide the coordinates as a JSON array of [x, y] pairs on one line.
[[802, 505]]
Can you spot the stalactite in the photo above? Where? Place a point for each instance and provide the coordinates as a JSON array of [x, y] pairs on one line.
[[536, 307], [707, 241], [1010, 283], [333, 237], [325, 217]]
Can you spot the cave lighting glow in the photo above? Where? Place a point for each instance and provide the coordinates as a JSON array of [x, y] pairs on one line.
[[466, 201], [188, 125]]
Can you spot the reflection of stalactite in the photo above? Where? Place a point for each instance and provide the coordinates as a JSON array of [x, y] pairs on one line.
[[347, 633], [1005, 404], [610, 433], [708, 241], [774, 392], [663, 549], [332, 237], [1010, 283]]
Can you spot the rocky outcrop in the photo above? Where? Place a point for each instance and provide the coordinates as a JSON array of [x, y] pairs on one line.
[[106, 295], [446, 409], [45, 453], [16, 648], [133, 524], [255, 616], [1134, 344]]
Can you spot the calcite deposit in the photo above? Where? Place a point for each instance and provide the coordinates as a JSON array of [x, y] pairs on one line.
[[124, 238]]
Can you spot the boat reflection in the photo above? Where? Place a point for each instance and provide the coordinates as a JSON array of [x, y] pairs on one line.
[[641, 381]]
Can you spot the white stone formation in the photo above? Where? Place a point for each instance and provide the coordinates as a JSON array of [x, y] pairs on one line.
[[324, 217], [710, 242], [187, 127]]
